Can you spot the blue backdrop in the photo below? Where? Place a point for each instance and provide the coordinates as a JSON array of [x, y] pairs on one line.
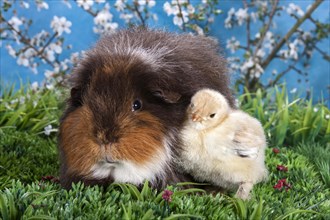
[[82, 38]]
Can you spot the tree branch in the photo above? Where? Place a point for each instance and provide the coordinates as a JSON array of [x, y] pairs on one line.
[[289, 34], [266, 28], [181, 15], [248, 32], [136, 4]]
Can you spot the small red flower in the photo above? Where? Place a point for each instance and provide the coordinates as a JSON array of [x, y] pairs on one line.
[[282, 184], [276, 150], [167, 195], [282, 168]]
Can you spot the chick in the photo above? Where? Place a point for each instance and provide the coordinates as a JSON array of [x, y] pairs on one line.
[[223, 146]]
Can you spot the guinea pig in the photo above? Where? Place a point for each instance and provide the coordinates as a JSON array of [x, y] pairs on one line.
[[128, 102]]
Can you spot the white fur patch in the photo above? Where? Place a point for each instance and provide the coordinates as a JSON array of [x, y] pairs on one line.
[[129, 172], [102, 169]]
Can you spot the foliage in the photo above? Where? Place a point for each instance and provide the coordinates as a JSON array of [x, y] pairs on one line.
[[288, 122], [47, 200], [26, 157], [30, 109], [29, 158]]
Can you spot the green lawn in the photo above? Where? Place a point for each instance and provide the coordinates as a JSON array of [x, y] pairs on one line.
[[28, 163]]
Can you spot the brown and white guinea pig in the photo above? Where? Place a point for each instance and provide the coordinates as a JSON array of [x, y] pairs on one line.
[[128, 103]]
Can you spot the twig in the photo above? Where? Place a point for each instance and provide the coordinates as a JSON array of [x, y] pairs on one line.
[[289, 34], [135, 3], [248, 32], [263, 34], [290, 67], [324, 54], [181, 15], [48, 42]]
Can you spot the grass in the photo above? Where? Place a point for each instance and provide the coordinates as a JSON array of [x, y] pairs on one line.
[[299, 129]]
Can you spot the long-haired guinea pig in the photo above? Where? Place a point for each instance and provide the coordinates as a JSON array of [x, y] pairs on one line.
[[128, 103]]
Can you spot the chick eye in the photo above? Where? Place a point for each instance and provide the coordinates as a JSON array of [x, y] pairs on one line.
[[212, 115], [137, 105], [192, 105]]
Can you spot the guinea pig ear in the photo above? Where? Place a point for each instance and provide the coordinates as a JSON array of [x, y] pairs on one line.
[[167, 96]]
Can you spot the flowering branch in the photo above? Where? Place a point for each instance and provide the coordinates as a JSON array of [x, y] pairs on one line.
[[136, 9], [181, 16], [26, 41], [266, 28], [289, 34]]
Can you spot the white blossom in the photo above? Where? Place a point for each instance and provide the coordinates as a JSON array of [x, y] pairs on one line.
[[151, 3], [103, 17], [41, 5], [293, 9], [86, 4], [199, 30], [50, 55], [315, 109], [60, 25], [293, 51], [49, 74], [23, 60], [35, 86], [269, 41], [34, 68], [254, 16], [306, 35], [24, 4], [170, 10], [15, 22], [252, 67], [120, 5], [247, 65], [21, 100], [56, 48], [48, 129], [294, 90], [50, 86], [228, 20], [241, 15], [126, 17], [180, 20], [327, 116], [232, 44], [11, 51], [67, 3], [190, 9], [260, 53]]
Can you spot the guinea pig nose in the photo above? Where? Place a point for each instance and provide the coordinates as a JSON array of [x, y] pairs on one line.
[[109, 159]]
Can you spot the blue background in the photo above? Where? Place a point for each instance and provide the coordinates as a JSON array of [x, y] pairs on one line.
[[82, 38]]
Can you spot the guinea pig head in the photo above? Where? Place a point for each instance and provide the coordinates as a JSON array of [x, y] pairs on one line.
[[122, 123]]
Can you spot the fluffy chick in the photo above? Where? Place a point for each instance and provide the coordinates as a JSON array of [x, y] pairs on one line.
[[223, 146]]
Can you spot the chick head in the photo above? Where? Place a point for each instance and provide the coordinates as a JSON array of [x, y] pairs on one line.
[[207, 109]]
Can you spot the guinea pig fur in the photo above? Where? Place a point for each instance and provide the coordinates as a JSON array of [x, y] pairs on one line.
[[128, 103]]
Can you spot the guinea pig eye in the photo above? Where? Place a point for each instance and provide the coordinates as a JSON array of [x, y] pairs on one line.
[[137, 105], [212, 115]]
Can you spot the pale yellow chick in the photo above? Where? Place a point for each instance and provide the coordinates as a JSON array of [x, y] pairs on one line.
[[223, 146]]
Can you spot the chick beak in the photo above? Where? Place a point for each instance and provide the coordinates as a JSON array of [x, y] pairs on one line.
[[195, 117]]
